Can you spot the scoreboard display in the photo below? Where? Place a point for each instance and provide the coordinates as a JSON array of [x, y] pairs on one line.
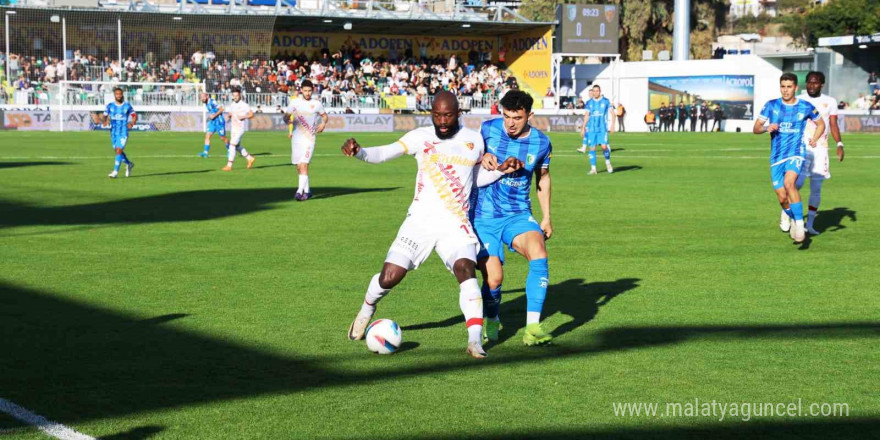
[[587, 29]]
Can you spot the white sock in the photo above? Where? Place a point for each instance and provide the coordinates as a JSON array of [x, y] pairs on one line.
[[305, 180], [244, 152], [533, 317], [607, 163], [230, 154], [375, 292], [302, 183], [471, 302]]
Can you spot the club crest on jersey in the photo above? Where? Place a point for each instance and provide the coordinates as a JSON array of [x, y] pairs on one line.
[[530, 159], [469, 145], [800, 116]]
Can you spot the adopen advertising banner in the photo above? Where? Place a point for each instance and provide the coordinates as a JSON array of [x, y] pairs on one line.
[[734, 93], [529, 55]]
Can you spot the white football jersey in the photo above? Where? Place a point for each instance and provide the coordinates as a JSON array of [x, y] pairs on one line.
[[235, 109], [306, 117], [446, 173], [827, 107]]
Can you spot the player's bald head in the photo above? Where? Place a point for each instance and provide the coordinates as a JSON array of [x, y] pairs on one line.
[[444, 115], [445, 101]]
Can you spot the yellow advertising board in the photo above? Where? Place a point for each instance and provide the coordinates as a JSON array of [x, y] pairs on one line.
[[530, 56]]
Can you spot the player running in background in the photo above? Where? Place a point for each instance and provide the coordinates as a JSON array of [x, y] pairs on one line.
[[503, 213], [306, 118], [448, 158], [216, 123], [595, 128], [816, 162], [238, 112], [117, 113], [787, 118]]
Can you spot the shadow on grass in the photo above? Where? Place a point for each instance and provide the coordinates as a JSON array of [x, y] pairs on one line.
[[574, 298], [798, 429], [174, 207], [4, 165], [831, 220], [140, 433], [627, 168], [73, 362]]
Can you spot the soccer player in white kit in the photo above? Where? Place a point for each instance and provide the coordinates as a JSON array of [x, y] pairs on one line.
[[238, 112], [448, 157], [307, 118], [816, 162]]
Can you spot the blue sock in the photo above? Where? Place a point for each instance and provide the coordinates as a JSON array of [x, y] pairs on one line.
[[117, 162], [536, 285], [491, 301], [125, 158], [607, 153], [207, 147], [593, 157], [788, 212], [797, 210]]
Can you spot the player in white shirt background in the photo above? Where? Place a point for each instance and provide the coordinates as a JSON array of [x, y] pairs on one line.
[[306, 118], [816, 161], [238, 112], [448, 158]]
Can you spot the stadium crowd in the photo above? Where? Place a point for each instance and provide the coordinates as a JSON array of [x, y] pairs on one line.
[[347, 73]]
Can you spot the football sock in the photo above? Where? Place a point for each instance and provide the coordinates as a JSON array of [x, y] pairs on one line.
[[230, 153], [207, 147], [375, 292], [243, 151], [125, 159], [607, 153], [797, 211], [815, 199], [491, 301], [306, 187], [533, 317], [302, 183], [536, 288], [471, 306], [117, 162], [592, 157]]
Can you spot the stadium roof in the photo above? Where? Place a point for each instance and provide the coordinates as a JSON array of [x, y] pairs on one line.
[[404, 26]]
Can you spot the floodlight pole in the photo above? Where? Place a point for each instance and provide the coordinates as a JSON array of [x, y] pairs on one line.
[[6, 16], [681, 31]]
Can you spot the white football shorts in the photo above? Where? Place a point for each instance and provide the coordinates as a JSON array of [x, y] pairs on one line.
[[418, 236]]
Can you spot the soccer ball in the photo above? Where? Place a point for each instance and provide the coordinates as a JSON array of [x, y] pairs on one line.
[[384, 336]]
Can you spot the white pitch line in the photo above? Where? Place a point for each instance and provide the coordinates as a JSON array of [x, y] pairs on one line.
[[49, 427], [190, 156]]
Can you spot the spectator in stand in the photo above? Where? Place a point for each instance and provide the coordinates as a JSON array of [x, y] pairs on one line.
[[580, 104], [863, 103], [873, 82]]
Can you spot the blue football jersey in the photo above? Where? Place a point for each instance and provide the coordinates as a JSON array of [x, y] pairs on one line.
[[788, 141], [598, 109], [213, 107], [510, 195], [119, 116]]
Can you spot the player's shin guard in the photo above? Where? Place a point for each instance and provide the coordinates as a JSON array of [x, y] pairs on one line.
[[117, 162], [375, 292], [470, 301], [592, 157], [491, 301], [536, 289]]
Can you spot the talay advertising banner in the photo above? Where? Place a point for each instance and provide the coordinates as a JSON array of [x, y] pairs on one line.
[[734, 93]]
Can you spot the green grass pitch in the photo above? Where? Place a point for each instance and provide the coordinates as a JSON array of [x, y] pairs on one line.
[[188, 303]]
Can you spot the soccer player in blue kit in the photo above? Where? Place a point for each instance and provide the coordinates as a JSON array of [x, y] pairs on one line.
[[595, 128], [117, 113], [216, 123], [787, 118], [503, 213]]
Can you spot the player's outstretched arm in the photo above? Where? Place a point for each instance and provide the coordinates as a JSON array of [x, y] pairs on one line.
[[486, 177], [380, 154]]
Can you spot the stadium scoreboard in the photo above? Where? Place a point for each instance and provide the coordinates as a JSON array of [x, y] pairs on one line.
[[587, 29]]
